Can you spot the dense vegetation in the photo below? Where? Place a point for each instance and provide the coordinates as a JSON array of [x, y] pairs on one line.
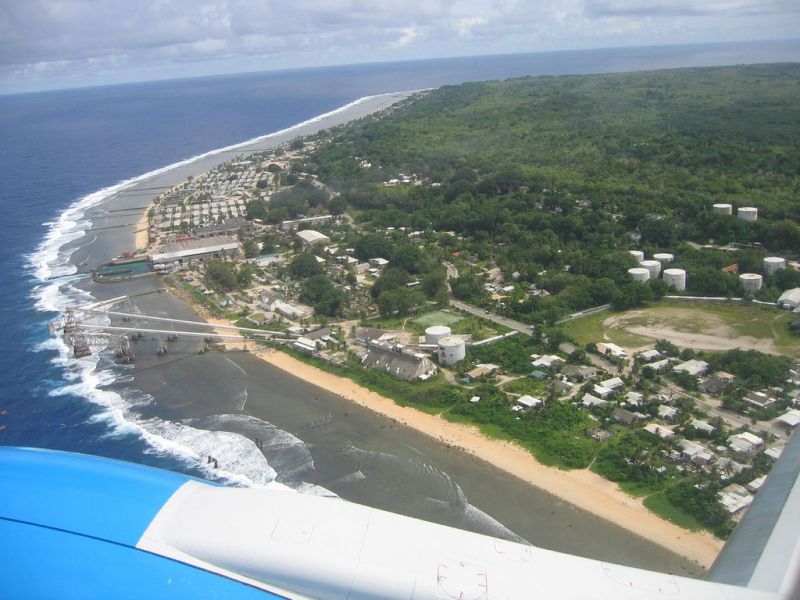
[[554, 178]]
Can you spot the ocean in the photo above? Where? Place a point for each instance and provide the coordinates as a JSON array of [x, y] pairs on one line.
[[65, 156]]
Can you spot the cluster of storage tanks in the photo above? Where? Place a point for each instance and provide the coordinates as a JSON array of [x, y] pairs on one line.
[[652, 268], [449, 348], [752, 282], [745, 213], [676, 278]]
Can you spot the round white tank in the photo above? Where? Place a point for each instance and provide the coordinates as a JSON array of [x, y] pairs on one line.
[[750, 282], [773, 264], [663, 257], [436, 332], [653, 266], [639, 274], [675, 278], [637, 255], [747, 213], [451, 350], [723, 208]]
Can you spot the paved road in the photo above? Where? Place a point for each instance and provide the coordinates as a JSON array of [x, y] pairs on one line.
[[489, 316]]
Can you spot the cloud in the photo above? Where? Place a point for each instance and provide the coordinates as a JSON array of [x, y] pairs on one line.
[[408, 35], [48, 38], [687, 8]]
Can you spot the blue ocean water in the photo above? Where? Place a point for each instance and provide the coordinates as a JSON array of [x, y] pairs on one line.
[[59, 147]]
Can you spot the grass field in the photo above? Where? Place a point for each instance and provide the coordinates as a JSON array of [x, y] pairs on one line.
[[699, 325], [659, 504], [439, 317]]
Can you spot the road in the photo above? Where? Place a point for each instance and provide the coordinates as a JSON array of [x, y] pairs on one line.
[[732, 419], [489, 316]]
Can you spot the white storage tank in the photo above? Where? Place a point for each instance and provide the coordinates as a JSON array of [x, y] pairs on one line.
[[747, 213], [436, 332], [653, 266], [723, 208], [750, 282], [451, 349], [675, 279], [663, 257], [773, 264], [637, 255], [639, 274]]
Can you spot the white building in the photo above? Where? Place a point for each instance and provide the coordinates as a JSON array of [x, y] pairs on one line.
[[527, 401], [667, 412], [610, 349], [790, 299], [588, 401], [612, 383], [734, 498], [791, 418], [310, 237], [692, 367], [746, 442], [648, 355], [548, 361]]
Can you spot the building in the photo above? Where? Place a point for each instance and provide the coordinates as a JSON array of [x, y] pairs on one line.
[[588, 401], [227, 227], [660, 365], [703, 426], [667, 413], [309, 237], [610, 349], [197, 249], [790, 299], [612, 383], [648, 355], [734, 498], [746, 442], [634, 399], [759, 399], [482, 370], [791, 418], [528, 402], [288, 310], [409, 366], [578, 373], [290, 225], [661, 431], [602, 391], [365, 335], [716, 383], [548, 361], [695, 453], [692, 367], [625, 416]]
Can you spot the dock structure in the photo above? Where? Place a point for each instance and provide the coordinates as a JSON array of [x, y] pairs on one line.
[[78, 333]]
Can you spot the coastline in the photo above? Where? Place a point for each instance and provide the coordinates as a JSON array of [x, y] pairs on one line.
[[441, 433], [581, 488]]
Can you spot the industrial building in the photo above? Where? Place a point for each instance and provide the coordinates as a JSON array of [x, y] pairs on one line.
[[790, 299], [198, 249], [310, 237], [400, 362]]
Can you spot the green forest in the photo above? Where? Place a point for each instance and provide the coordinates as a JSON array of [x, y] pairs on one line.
[[554, 178]]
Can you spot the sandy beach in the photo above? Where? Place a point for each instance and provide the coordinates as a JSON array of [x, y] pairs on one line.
[[582, 488], [141, 239]]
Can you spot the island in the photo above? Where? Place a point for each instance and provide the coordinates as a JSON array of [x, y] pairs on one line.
[[590, 282]]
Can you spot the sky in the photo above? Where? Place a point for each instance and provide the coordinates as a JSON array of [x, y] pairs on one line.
[[47, 44]]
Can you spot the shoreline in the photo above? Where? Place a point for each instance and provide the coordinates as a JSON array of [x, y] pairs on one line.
[[582, 488]]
